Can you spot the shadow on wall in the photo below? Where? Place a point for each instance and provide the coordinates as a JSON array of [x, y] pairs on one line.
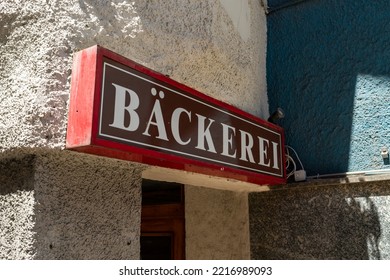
[[360, 216], [301, 224], [327, 67], [16, 174]]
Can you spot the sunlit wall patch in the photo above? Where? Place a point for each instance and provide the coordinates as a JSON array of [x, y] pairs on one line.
[[370, 122]]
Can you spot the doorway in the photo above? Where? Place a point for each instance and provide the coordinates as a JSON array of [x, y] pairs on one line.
[[162, 221]]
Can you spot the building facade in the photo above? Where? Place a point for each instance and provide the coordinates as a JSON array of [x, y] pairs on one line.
[[57, 204], [327, 68], [318, 61]]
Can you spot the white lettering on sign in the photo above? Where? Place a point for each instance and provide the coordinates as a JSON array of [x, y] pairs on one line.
[[263, 149], [204, 140], [204, 134], [246, 146], [175, 124], [121, 109], [275, 150], [227, 135], [158, 116]]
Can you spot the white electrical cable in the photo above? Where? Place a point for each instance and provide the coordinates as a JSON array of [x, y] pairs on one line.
[[289, 158], [318, 176], [296, 154]]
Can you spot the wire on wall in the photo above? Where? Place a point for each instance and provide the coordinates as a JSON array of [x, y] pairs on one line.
[[291, 166]]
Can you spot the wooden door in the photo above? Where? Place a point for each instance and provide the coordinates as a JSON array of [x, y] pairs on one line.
[[162, 221]]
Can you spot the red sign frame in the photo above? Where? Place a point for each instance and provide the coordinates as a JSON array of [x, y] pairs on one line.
[[84, 132]]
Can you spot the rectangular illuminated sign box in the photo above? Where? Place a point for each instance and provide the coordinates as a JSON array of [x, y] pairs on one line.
[[123, 110]]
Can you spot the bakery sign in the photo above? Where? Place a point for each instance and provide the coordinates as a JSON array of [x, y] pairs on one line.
[[123, 110]]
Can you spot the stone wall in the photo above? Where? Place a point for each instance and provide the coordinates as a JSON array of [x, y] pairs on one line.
[[321, 221]]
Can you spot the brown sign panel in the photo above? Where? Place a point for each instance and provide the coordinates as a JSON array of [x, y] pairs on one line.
[[159, 121]]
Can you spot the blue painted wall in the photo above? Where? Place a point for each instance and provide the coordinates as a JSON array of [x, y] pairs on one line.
[[328, 67]]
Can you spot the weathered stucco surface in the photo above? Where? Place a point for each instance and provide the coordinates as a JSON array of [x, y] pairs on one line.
[[17, 207], [64, 205], [71, 206], [217, 225], [198, 43], [321, 220]]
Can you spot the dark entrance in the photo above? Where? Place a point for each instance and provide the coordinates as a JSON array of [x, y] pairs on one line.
[[162, 221]]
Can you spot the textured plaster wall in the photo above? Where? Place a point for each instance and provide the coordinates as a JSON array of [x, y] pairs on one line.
[[67, 205], [217, 225], [64, 205], [327, 67], [204, 44], [320, 221], [17, 207]]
